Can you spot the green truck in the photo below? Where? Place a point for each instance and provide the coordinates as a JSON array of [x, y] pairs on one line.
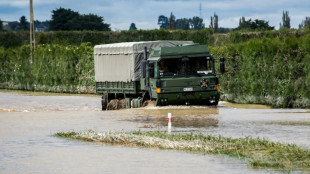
[[169, 72]]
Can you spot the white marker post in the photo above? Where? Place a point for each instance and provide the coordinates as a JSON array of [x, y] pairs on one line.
[[169, 123]]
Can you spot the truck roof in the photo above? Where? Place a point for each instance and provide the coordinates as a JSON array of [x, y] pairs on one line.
[[179, 51], [135, 47]]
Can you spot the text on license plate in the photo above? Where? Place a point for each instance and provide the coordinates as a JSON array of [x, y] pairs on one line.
[[187, 89]]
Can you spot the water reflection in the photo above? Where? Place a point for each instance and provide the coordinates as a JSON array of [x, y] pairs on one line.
[[181, 118]]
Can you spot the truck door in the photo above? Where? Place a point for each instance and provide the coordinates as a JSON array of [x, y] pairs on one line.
[[150, 78]]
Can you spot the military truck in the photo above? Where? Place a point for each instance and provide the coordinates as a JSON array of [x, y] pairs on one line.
[[168, 72]]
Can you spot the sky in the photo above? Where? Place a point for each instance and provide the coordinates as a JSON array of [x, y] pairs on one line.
[[144, 13]]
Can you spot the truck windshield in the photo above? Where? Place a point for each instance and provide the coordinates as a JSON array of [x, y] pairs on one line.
[[175, 67]]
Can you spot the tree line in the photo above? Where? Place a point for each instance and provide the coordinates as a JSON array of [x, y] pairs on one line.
[[23, 24], [69, 20], [196, 23], [171, 23], [62, 20]]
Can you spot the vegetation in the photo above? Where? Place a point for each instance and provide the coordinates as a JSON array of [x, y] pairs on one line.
[[162, 22], [289, 123], [16, 39], [1, 25], [214, 23], [253, 25], [171, 23], [56, 68], [23, 24], [305, 23], [66, 19], [271, 71], [205, 37], [263, 67], [132, 26], [259, 153], [286, 20]]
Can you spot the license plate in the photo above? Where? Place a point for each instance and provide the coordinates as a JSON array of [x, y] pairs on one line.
[[188, 89]]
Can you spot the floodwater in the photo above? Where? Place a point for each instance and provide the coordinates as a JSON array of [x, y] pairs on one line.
[[29, 120]]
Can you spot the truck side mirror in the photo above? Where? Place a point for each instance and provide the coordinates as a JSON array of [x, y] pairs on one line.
[[151, 69], [222, 65]]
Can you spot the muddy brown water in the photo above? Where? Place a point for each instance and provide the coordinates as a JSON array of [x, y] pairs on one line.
[[29, 120]]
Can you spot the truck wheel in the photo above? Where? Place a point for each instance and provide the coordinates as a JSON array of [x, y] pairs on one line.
[[104, 103], [212, 103], [215, 103]]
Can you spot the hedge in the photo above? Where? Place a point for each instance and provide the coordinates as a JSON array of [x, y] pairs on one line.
[[206, 36], [273, 71], [55, 68]]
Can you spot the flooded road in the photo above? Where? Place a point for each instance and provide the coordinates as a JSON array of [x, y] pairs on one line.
[[29, 120]]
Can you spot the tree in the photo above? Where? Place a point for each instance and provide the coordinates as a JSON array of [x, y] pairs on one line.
[[286, 20], [41, 26], [93, 22], [1, 25], [253, 25], [162, 22], [23, 24], [243, 23], [216, 23], [66, 19], [132, 26], [14, 25], [305, 23], [211, 23], [196, 23], [171, 22], [182, 24]]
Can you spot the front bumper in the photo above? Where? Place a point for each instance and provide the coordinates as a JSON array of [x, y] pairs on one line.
[[188, 98]]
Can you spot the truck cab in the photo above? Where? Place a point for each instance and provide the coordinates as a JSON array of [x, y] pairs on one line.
[[168, 72], [181, 75]]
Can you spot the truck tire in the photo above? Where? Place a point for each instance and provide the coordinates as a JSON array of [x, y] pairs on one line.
[[104, 103], [215, 103]]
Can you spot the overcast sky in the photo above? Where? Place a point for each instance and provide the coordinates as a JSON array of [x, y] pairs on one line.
[[144, 13]]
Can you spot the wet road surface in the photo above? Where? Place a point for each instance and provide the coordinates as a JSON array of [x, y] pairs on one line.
[[29, 120]]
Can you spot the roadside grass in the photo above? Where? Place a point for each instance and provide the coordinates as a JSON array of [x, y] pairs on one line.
[[44, 93], [259, 153], [289, 123]]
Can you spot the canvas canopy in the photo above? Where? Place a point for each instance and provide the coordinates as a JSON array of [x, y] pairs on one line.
[[120, 62]]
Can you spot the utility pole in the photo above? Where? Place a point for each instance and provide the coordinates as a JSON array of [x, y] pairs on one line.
[[32, 37], [200, 9]]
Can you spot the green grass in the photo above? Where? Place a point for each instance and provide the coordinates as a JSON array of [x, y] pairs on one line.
[[259, 153], [290, 123]]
